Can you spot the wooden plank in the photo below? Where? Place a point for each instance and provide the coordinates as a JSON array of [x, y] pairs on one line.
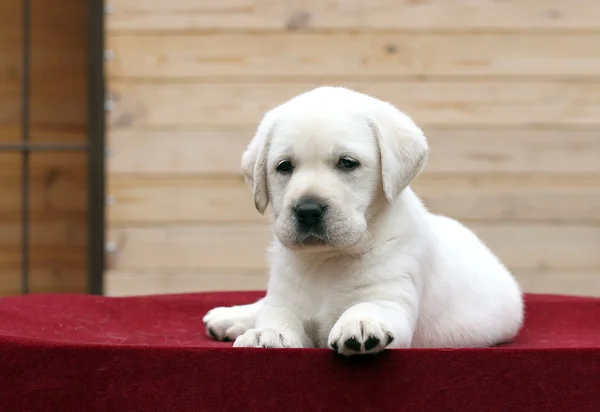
[[58, 223], [180, 106], [540, 247], [151, 282], [524, 198], [372, 15], [53, 269], [58, 114], [59, 79], [160, 199], [58, 201], [10, 120], [49, 231], [557, 150], [43, 280], [189, 247], [57, 186], [578, 284], [55, 258], [44, 166], [198, 199], [242, 55], [212, 152], [58, 111], [58, 71], [11, 36]]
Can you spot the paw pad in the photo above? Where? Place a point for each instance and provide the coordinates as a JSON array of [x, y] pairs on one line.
[[371, 342], [353, 344]]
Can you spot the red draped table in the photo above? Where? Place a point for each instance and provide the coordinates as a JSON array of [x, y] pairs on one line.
[[86, 353]]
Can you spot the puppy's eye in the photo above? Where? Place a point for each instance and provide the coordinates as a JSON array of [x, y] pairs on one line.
[[285, 167], [347, 163]]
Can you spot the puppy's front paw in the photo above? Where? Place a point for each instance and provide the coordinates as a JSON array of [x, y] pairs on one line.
[[359, 336], [266, 338], [227, 323]]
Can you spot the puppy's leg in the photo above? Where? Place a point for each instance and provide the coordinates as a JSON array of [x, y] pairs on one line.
[[370, 327], [276, 327], [227, 323]]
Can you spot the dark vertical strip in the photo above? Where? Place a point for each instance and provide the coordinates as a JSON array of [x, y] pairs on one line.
[[96, 149], [25, 140]]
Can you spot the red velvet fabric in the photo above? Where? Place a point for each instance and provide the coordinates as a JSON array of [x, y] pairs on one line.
[[87, 354]]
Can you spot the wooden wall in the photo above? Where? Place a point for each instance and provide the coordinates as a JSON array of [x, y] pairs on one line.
[[508, 93], [58, 182]]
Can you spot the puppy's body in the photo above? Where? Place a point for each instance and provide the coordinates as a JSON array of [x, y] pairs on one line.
[[375, 269]]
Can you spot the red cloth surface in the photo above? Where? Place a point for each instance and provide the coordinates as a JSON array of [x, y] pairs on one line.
[[88, 353]]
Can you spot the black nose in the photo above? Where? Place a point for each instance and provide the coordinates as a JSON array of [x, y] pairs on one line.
[[309, 212]]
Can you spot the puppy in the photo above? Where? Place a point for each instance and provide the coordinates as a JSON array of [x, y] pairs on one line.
[[357, 263]]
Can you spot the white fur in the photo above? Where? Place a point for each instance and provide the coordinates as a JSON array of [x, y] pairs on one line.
[[386, 272]]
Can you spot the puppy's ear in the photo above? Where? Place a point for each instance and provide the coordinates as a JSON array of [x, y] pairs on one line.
[[254, 162], [403, 148]]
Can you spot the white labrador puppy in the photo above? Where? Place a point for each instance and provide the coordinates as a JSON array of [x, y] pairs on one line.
[[358, 264]]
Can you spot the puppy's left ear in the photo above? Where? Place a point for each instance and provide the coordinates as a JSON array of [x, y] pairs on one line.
[[254, 162], [403, 148]]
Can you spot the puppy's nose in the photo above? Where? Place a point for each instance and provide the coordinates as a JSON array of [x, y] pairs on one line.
[[309, 212]]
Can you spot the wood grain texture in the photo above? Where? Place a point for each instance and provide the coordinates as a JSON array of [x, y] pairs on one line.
[[570, 283], [57, 255], [359, 54], [58, 200], [57, 186], [47, 232], [58, 114], [173, 199], [184, 247], [46, 258], [176, 106], [460, 150], [59, 77], [152, 281], [353, 14], [160, 199], [57, 70], [43, 280], [58, 223], [11, 35], [531, 246]]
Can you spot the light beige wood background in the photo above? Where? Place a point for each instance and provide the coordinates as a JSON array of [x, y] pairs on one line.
[[508, 93]]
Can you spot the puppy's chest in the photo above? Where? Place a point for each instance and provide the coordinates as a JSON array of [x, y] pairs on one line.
[[320, 311], [319, 298]]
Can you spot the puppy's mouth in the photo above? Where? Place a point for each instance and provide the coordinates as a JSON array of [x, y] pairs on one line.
[[313, 239]]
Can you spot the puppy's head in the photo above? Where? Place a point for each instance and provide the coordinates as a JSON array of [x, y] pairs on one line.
[[324, 159]]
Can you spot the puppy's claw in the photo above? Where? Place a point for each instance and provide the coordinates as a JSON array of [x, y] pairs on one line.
[[266, 338], [212, 334], [389, 338], [227, 323]]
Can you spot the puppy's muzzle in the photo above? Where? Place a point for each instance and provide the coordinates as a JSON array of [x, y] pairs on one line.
[[309, 214]]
